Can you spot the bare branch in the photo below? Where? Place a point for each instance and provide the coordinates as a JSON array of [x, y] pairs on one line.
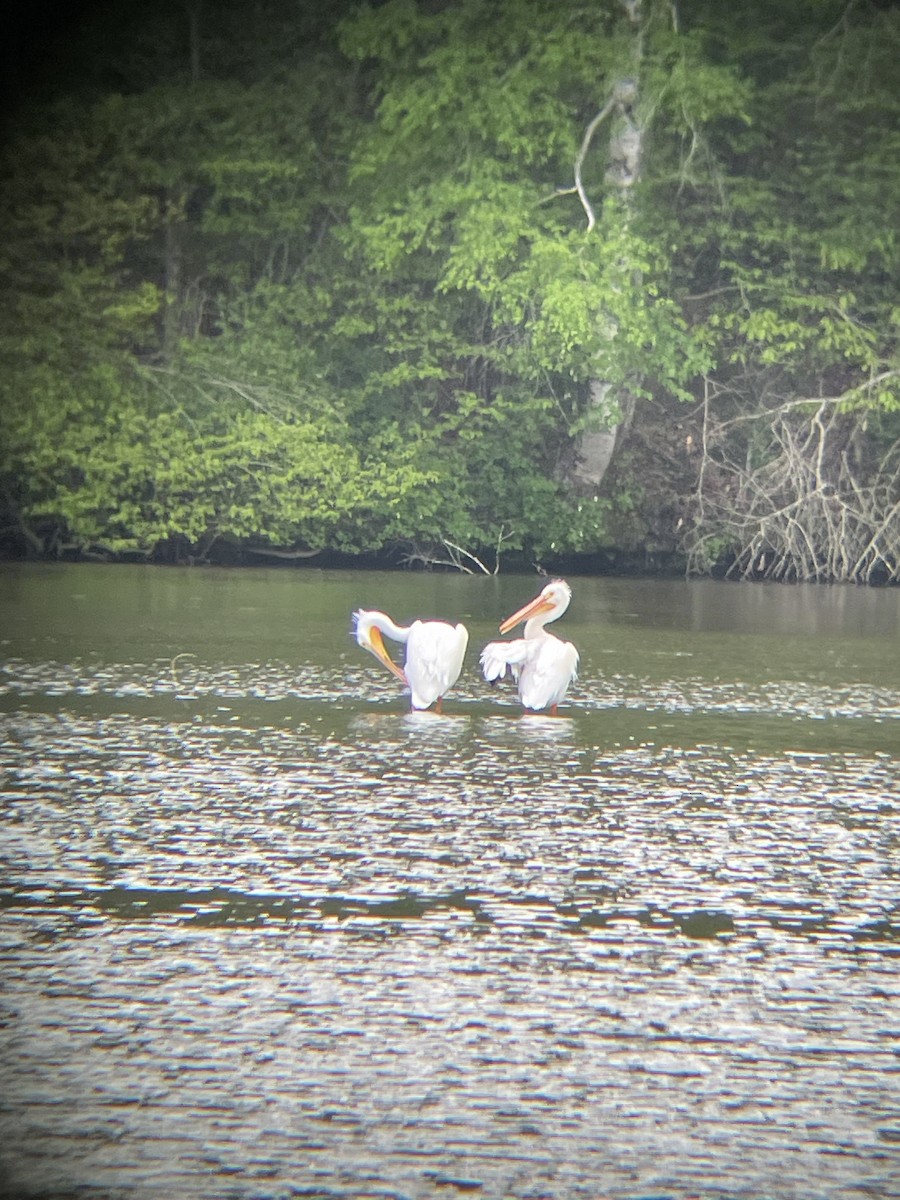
[[582, 154], [810, 498], [847, 397], [456, 554]]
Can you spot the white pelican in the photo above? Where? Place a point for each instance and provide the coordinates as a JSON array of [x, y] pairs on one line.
[[542, 664], [434, 653]]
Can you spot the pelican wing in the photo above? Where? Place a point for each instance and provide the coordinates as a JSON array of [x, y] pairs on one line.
[[498, 657], [434, 659]]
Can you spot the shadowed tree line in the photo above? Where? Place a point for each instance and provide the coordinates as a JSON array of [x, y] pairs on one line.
[[457, 282]]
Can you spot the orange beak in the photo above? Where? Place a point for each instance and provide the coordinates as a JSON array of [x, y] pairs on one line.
[[534, 608], [378, 649]]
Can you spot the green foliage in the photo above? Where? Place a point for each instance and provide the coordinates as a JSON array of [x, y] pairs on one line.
[[480, 112], [119, 465], [482, 147], [330, 283], [803, 229]]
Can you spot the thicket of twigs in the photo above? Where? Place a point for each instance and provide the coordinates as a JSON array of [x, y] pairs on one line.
[[801, 494]]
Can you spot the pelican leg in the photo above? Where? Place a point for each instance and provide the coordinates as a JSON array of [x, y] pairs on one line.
[[437, 707]]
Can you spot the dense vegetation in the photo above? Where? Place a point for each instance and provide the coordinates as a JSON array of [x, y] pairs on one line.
[[450, 280]]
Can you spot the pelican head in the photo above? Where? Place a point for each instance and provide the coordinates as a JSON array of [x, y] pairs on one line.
[[368, 627], [550, 603]]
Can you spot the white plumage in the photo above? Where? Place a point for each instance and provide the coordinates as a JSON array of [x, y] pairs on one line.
[[434, 653], [542, 664]]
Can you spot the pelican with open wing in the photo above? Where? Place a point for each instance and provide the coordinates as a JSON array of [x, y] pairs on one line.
[[542, 664]]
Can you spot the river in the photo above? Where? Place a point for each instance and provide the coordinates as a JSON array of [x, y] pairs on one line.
[[266, 934]]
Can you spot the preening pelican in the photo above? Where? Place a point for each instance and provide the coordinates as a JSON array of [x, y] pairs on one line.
[[434, 653], [542, 664]]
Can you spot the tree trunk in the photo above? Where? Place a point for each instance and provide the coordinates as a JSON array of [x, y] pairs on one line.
[[610, 411], [595, 446]]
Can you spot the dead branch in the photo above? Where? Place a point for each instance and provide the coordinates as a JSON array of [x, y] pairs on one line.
[[582, 154], [456, 554], [272, 552], [812, 500]]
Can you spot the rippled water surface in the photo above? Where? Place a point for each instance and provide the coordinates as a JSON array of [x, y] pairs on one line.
[[265, 934]]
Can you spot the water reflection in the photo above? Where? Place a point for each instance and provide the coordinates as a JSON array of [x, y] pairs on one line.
[[265, 932], [710, 606]]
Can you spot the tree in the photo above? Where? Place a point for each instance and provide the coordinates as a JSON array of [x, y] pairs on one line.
[[151, 397], [798, 474], [482, 181], [481, 277]]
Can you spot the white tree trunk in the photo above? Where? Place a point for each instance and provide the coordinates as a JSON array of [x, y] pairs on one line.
[[609, 415]]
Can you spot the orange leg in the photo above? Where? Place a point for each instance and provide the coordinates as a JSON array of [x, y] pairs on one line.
[[437, 707]]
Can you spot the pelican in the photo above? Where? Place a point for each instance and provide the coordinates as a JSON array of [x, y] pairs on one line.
[[434, 653], [542, 664]]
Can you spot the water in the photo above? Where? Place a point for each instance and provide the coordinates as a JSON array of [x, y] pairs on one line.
[[266, 934]]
